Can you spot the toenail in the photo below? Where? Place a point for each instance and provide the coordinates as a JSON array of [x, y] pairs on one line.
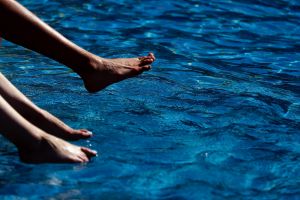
[[89, 133]]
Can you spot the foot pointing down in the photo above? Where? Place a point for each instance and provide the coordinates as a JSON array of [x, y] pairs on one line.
[[55, 150]]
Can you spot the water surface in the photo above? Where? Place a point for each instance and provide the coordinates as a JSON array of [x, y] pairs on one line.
[[217, 117]]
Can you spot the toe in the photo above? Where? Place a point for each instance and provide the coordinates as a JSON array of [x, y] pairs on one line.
[[88, 152], [83, 158], [85, 133], [138, 70], [152, 56], [79, 134], [146, 67], [142, 58], [146, 61]]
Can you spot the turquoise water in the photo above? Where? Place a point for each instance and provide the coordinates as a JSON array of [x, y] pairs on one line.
[[218, 117]]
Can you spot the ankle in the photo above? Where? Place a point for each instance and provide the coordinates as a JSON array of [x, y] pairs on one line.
[[32, 142], [87, 65]]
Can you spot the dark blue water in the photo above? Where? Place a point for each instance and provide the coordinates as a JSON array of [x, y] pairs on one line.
[[218, 117]]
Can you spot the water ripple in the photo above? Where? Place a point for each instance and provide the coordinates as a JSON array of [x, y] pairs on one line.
[[217, 117]]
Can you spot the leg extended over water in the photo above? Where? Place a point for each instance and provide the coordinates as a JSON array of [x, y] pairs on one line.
[[19, 25]]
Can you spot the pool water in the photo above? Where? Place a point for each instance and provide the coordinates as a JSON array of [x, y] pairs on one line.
[[218, 116]]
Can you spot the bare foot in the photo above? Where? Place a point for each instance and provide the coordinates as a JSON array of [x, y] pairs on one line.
[[104, 72], [56, 127], [140, 61], [55, 150]]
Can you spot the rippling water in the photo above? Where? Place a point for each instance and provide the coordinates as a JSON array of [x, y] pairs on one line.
[[217, 117]]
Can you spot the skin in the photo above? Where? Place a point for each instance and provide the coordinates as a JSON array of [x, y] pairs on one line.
[[35, 145], [36, 133], [37, 116], [26, 29]]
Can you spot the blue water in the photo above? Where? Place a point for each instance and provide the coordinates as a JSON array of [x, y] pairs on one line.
[[218, 117]]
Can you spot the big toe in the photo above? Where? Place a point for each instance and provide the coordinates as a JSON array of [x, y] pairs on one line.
[[88, 152], [80, 134], [146, 67], [151, 55], [85, 133], [146, 61]]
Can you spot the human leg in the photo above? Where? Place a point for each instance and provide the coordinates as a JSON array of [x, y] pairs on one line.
[[37, 116], [35, 145], [24, 28]]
